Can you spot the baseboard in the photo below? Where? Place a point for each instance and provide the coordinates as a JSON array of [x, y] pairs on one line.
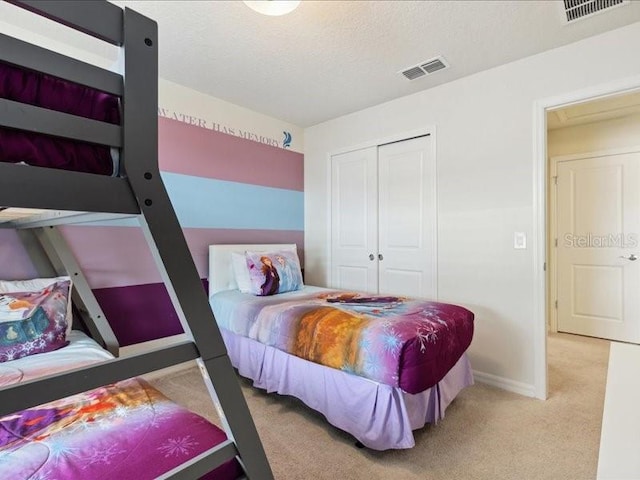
[[505, 384]]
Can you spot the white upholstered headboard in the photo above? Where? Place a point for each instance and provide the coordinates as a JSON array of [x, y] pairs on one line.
[[221, 276]]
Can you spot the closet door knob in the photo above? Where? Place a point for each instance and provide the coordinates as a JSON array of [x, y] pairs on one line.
[[371, 257], [380, 257]]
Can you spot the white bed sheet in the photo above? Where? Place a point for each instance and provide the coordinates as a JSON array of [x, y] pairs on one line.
[[81, 351]]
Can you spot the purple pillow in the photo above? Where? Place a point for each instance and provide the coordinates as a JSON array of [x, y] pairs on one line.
[[33, 322], [274, 272]]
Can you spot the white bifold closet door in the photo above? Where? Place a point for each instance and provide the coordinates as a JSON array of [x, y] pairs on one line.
[[383, 219], [354, 220]]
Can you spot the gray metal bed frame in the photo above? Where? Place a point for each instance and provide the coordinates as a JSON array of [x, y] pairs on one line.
[[137, 191]]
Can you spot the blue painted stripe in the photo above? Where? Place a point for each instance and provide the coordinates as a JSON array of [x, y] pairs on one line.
[[209, 203]]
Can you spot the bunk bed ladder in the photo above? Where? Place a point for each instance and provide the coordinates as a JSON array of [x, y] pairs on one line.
[[138, 190], [168, 245]]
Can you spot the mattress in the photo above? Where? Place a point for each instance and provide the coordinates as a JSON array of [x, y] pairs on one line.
[[401, 342], [127, 430], [49, 92]]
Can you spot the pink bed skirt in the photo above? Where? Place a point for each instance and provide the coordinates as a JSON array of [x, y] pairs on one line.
[[381, 417]]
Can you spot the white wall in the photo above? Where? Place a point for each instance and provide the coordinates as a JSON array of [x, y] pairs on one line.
[[485, 185], [594, 137]]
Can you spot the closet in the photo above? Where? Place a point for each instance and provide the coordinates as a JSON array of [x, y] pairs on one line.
[[383, 219]]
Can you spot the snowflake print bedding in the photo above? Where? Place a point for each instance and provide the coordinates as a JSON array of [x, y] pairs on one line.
[[402, 342], [33, 322], [127, 430]]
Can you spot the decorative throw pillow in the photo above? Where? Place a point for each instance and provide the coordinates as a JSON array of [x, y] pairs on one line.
[[35, 285], [33, 322], [274, 272]]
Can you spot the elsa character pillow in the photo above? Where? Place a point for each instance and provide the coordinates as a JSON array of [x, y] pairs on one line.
[[35, 285], [274, 272], [33, 322]]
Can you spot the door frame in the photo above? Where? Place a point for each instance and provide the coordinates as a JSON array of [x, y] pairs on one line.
[[552, 263], [429, 130], [540, 213]]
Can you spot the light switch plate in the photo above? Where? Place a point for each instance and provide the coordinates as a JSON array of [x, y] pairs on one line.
[[519, 240]]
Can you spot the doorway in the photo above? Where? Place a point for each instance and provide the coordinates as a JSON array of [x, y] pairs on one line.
[[582, 109]]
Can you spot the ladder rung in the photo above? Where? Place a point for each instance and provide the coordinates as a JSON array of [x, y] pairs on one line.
[[200, 465], [64, 190], [98, 19], [40, 120], [17, 52], [46, 389]]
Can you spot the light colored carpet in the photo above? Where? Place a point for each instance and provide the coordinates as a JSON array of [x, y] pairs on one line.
[[487, 433]]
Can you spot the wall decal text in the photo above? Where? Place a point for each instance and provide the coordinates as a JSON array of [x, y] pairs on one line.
[[218, 127]]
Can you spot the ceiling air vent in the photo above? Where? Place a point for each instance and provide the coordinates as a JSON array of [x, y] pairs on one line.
[[425, 68], [413, 73], [579, 9]]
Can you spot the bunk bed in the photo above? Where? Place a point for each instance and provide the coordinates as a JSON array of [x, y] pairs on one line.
[[79, 142], [377, 367]]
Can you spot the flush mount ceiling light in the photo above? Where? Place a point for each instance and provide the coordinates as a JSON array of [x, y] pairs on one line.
[[273, 7]]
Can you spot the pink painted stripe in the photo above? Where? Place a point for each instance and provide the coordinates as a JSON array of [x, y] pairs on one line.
[[15, 263], [201, 152], [119, 256]]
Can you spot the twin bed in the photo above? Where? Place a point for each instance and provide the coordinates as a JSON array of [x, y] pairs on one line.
[[377, 367], [123, 430], [126, 430]]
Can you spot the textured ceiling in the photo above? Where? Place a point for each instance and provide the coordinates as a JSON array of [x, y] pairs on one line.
[[330, 58]]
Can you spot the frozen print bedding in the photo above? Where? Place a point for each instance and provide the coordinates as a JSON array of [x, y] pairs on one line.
[[126, 430], [401, 342], [41, 90], [80, 351]]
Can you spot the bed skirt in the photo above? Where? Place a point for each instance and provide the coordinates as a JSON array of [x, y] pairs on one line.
[[381, 417]]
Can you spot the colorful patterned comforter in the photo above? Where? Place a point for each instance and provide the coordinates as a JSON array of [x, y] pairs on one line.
[[401, 342], [127, 430]]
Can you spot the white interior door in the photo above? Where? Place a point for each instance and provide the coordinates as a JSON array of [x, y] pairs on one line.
[[407, 218], [354, 220], [598, 220]]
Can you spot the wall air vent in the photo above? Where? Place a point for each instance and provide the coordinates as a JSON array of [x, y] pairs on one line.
[[425, 68], [579, 9]]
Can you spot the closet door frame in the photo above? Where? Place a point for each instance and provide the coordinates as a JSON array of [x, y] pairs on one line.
[[376, 142]]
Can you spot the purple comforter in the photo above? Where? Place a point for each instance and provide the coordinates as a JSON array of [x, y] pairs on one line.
[[126, 431], [45, 91], [401, 342]]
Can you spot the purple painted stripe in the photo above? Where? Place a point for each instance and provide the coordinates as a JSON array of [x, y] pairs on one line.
[[139, 313], [201, 152], [15, 263], [119, 256]]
